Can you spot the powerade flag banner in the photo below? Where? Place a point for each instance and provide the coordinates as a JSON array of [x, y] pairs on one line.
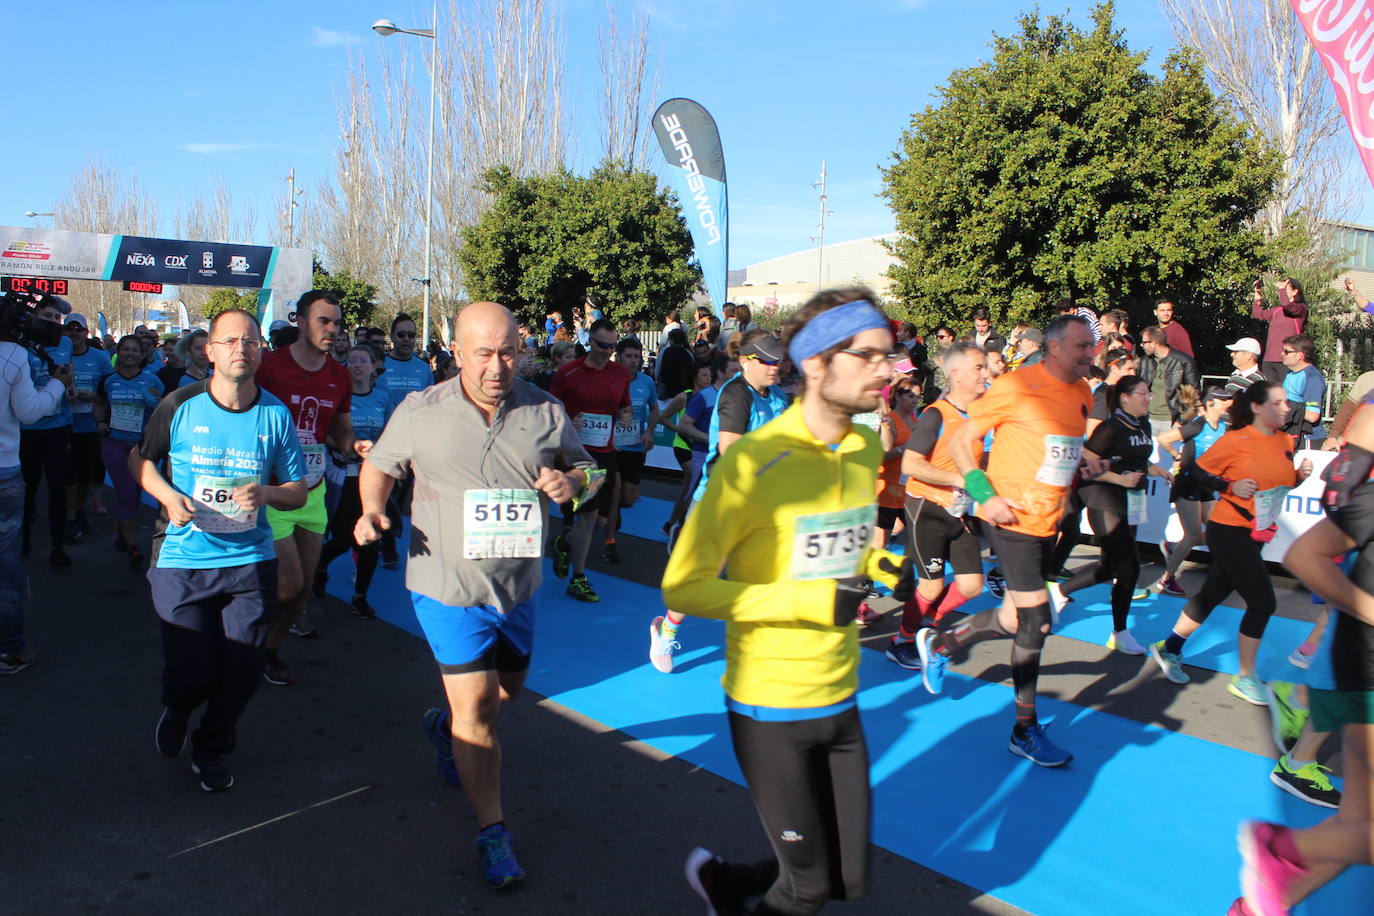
[[691, 144], [1340, 31], [183, 319]]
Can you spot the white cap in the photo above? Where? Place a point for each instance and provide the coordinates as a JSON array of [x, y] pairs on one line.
[[77, 318], [1248, 344]]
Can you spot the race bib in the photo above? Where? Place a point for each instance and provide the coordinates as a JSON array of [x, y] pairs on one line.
[[1268, 505], [629, 436], [83, 406], [127, 418], [314, 464], [870, 419], [831, 545], [961, 504], [1136, 501], [1062, 456], [595, 430], [216, 511], [502, 523]]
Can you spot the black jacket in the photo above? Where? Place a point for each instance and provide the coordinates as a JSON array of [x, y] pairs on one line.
[[1174, 370]]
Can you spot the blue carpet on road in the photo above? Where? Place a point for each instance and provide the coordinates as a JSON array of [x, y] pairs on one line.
[[1142, 822]]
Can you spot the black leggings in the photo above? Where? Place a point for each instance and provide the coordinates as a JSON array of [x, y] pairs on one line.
[[349, 510], [1118, 563], [809, 780], [46, 453], [1069, 527], [1237, 566]]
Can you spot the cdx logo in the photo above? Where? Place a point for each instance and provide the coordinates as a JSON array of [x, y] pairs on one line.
[[174, 261]]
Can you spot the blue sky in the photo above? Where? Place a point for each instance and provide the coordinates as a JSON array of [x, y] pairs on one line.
[[183, 94]]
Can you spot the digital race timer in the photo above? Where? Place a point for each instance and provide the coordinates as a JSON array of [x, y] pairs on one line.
[[143, 286], [48, 285]]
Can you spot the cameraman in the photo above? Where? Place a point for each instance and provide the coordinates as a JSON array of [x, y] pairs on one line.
[[45, 445], [20, 402]]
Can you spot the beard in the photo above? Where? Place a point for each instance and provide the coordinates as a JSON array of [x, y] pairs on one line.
[[848, 400]]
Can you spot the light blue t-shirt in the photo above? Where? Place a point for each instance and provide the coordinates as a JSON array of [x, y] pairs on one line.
[[402, 376], [642, 392], [1308, 388], [370, 413], [87, 370], [210, 450], [38, 371], [131, 401]]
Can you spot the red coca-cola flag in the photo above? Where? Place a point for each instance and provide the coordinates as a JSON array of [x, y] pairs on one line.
[[1342, 31]]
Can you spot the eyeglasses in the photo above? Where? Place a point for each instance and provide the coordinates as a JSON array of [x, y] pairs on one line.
[[944, 336], [249, 344], [405, 334], [1288, 352], [760, 359], [873, 357]]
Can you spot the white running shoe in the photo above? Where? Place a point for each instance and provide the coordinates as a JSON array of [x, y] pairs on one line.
[[1123, 642], [661, 648]]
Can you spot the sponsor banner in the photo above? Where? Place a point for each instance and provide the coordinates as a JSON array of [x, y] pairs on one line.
[[53, 253], [691, 145], [196, 263], [1340, 32]]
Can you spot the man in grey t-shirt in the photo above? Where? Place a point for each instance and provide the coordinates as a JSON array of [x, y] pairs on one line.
[[490, 453]]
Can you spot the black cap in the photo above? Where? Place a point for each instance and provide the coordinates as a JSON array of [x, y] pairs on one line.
[[767, 347]]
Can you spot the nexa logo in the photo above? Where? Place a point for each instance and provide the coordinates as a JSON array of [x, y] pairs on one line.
[[139, 259], [706, 214], [174, 261]]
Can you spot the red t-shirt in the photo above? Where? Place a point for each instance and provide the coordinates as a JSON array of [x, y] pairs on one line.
[[596, 394], [312, 397]]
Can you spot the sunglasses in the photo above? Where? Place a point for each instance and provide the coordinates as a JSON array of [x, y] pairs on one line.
[[760, 359], [604, 344]]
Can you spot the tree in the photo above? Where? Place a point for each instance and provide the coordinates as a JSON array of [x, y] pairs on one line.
[[547, 241], [356, 297], [1062, 168], [222, 300]]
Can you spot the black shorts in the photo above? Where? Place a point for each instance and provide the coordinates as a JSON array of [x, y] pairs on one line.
[[887, 517], [601, 502], [630, 467], [1025, 559], [1184, 487], [934, 537]]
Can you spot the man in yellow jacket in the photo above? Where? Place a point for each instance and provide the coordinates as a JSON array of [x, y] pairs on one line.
[[779, 549]]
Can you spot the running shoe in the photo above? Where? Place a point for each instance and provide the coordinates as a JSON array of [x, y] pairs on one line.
[[1264, 877], [1309, 782], [1125, 643], [581, 589], [996, 584], [303, 630], [1058, 601], [561, 555], [1286, 719], [1171, 663], [16, 661], [866, 615], [1238, 908], [1168, 585], [360, 607], [1062, 576], [1037, 747], [661, 648], [933, 663], [170, 733], [59, 558], [707, 875], [610, 553], [214, 775], [495, 847], [277, 673], [436, 725], [1299, 659], [1249, 688], [1140, 594], [904, 653]]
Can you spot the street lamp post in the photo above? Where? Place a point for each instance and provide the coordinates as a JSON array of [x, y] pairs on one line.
[[387, 27]]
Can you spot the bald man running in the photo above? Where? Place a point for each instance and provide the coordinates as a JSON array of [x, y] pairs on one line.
[[490, 453]]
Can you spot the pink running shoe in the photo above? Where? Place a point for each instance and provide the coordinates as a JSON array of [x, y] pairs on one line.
[[1238, 908], [867, 615], [1265, 877]]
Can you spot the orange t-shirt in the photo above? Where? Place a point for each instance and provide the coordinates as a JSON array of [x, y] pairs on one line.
[[1039, 423], [951, 418], [890, 495], [1248, 453]]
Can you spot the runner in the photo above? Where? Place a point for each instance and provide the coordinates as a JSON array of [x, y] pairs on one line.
[[938, 508], [747, 400], [318, 392], [372, 407], [404, 372], [482, 496], [1116, 501], [1192, 502], [596, 393], [214, 577], [778, 548], [193, 362], [89, 366], [1038, 414], [45, 445], [901, 398], [124, 400], [688, 415], [1251, 466], [1283, 867], [632, 441]]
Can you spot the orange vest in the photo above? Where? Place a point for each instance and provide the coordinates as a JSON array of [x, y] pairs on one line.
[[951, 419], [890, 494]]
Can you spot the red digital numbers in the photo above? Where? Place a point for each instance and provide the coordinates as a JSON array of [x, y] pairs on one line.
[[48, 285]]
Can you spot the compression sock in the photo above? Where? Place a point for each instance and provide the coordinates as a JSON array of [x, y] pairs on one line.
[[668, 630], [976, 628], [950, 600], [915, 613], [1173, 643], [1025, 673]]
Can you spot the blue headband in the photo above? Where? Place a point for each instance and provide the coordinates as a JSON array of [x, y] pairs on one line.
[[833, 326]]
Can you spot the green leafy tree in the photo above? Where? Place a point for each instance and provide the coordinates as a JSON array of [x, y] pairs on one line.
[[221, 300], [1061, 167], [355, 295], [547, 241]]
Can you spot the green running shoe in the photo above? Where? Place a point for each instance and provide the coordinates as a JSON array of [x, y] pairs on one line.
[[1249, 688], [1310, 783], [1285, 717], [561, 555], [581, 589]]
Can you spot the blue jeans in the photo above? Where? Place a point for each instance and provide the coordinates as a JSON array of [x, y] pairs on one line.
[[13, 582]]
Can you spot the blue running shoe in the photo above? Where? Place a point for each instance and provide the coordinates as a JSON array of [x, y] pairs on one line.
[[904, 653], [436, 724], [496, 850], [933, 663], [1037, 747]]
